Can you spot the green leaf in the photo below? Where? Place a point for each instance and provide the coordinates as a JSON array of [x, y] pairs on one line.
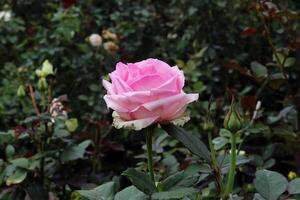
[[10, 151], [179, 193], [20, 162], [289, 62], [17, 177], [259, 70], [181, 179], [193, 143], [6, 137], [140, 180], [75, 152], [270, 184], [220, 142], [199, 87], [172, 180], [102, 192], [71, 124], [131, 193], [294, 186]]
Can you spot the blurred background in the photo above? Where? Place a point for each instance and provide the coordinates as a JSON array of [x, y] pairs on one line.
[[218, 44]]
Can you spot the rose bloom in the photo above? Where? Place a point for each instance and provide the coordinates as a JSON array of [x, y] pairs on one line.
[[95, 40], [145, 93]]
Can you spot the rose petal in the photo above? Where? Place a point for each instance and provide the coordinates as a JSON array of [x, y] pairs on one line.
[[108, 86], [167, 108], [134, 124], [181, 77], [122, 71], [120, 86], [120, 103], [165, 101], [148, 96], [173, 84], [148, 82]]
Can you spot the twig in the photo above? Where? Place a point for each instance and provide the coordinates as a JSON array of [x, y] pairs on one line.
[[33, 100]]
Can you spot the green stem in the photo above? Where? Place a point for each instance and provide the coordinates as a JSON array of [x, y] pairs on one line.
[[149, 132], [214, 163], [230, 181]]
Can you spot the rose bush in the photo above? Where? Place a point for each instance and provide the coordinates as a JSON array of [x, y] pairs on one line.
[[146, 92]]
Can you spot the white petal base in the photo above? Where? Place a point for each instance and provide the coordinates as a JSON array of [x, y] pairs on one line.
[[139, 124], [180, 121]]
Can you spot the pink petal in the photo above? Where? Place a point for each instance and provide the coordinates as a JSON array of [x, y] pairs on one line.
[[122, 71], [172, 84], [177, 108], [148, 82], [120, 103], [108, 86], [119, 85], [165, 101], [181, 76]]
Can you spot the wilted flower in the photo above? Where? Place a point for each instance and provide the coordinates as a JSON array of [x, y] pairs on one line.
[[111, 47], [147, 92], [57, 109], [95, 40], [106, 34], [5, 15]]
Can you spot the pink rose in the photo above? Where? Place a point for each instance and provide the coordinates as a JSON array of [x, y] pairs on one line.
[[146, 92]]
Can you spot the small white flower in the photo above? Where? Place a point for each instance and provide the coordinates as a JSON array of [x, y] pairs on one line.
[[95, 40], [240, 153], [5, 15]]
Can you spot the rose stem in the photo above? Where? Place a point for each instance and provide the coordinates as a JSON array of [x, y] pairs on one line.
[[149, 132], [230, 181]]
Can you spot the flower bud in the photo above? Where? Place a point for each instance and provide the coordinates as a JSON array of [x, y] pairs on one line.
[[95, 40], [292, 175], [47, 69], [208, 125], [21, 91], [233, 121], [42, 84]]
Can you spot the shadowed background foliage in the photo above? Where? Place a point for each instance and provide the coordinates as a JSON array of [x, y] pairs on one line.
[[218, 44]]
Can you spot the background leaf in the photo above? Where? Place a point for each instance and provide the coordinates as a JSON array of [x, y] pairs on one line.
[[102, 192], [140, 180], [294, 186], [131, 193], [270, 184]]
